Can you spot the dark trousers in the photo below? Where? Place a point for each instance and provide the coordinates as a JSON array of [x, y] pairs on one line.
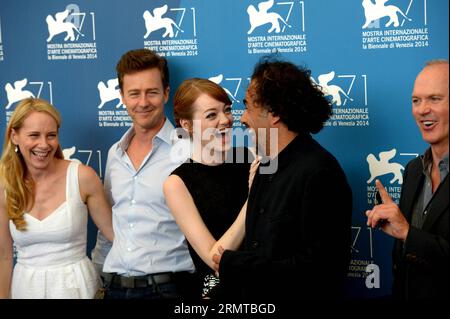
[[180, 287]]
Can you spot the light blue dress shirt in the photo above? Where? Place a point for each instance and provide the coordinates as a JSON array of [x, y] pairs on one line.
[[147, 238]]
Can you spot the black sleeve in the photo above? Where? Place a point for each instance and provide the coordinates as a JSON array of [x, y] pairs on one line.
[[325, 210]]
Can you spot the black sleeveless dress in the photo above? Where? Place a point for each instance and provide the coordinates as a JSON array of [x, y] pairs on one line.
[[219, 192]]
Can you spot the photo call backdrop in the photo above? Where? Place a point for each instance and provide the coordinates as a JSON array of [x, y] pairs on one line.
[[364, 54]]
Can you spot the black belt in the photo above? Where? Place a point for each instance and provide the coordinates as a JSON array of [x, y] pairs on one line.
[[115, 280]]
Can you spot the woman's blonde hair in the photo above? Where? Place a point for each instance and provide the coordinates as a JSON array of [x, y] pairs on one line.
[[19, 189]]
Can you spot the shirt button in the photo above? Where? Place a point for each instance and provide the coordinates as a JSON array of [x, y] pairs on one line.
[[131, 225], [135, 178], [133, 202], [255, 244], [261, 211], [129, 249]]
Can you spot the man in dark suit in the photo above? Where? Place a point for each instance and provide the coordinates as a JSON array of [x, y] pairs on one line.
[[421, 223], [298, 223]]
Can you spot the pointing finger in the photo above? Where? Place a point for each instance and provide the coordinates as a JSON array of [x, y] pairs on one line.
[[383, 193], [369, 214]]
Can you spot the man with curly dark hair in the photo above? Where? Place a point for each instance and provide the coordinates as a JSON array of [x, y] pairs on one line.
[[297, 236]]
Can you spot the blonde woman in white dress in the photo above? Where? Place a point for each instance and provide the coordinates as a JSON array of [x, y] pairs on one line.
[[44, 204]]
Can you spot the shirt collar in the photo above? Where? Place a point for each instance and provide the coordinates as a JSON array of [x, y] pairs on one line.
[[164, 135], [427, 161], [166, 132], [443, 164], [285, 156]]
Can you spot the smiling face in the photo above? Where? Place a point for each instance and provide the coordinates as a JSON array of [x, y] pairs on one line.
[[144, 96], [430, 104], [37, 140], [211, 123]]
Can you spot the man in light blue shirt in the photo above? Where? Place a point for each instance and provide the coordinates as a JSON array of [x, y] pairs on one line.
[[149, 257]]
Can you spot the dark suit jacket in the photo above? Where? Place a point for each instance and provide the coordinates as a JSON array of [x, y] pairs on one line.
[[298, 229], [421, 265]]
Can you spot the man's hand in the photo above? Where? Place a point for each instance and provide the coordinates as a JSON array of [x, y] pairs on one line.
[[395, 223]]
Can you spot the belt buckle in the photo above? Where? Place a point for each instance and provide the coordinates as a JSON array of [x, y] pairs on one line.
[[127, 282], [161, 278]]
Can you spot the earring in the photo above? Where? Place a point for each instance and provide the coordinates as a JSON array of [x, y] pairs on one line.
[[16, 149]]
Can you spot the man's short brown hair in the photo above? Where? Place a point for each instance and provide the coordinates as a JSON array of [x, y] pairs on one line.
[[140, 60]]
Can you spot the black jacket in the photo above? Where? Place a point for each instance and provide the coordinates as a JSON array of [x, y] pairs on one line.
[[298, 229], [421, 265]]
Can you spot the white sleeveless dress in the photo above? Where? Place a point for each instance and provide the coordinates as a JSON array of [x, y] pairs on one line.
[[51, 253]]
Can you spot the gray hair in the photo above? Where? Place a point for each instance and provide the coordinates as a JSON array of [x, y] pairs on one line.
[[436, 61]]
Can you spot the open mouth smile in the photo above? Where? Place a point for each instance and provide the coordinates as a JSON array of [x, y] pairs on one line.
[[40, 154]]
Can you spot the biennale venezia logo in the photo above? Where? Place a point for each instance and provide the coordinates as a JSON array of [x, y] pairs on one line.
[[60, 24], [111, 114], [390, 24], [157, 22], [15, 92], [331, 90], [388, 171], [262, 16], [276, 26], [109, 92], [375, 11], [23, 88], [382, 166], [348, 95], [218, 79], [171, 31], [66, 31]]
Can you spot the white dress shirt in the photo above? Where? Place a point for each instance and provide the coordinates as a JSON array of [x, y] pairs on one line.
[[147, 238]]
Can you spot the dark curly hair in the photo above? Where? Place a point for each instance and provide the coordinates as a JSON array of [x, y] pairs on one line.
[[287, 91]]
